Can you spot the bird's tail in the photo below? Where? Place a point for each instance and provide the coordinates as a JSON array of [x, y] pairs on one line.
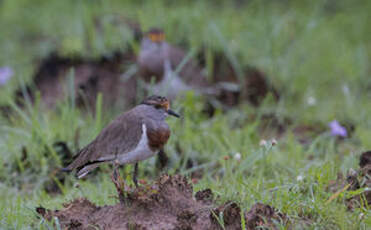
[[86, 169], [77, 160]]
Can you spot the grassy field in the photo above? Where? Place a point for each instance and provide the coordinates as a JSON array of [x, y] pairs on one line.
[[316, 53]]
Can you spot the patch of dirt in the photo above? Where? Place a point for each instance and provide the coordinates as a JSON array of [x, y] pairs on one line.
[[263, 216], [166, 204], [306, 133], [365, 174], [105, 74], [254, 87], [365, 159], [271, 122], [90, 77], [276, 126], [102, 74], [205, 196], [355, 180]]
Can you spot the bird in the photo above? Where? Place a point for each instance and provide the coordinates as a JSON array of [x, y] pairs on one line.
[[134, 136], [173, 72], [157, 58]]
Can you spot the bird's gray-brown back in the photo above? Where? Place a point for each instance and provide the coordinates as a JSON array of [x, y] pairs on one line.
[[121, 135]]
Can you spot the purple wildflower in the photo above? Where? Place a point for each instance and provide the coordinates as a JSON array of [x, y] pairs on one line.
[[337, 129], [5, 74]]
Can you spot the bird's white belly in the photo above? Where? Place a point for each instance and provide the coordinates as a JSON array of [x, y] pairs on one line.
[[141, 151]]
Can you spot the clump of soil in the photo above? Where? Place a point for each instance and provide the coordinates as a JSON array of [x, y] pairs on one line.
[[365, 159], [254, 85], [355, 180], [364, 175], [105, 75], [270, 122], [224, 87], [262, 216], [90, 77], [167, 204], [306, 133]]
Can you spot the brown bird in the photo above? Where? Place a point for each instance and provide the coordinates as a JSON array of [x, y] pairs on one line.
[[159, 59], [134, 136]]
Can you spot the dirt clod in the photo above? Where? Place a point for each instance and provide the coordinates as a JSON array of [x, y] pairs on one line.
[[254, 84], [41, 211], [206, 196], [231, 215], [166, 204], [365, 174], [365, 159], [262, 215], [355, 180], [90, 76], [306, 133]]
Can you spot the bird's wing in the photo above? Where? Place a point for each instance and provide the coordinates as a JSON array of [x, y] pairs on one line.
[[119, 137]]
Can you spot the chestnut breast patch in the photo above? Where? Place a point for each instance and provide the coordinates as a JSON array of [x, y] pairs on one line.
[[158, 137]]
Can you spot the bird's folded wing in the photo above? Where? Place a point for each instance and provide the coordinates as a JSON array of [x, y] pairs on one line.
[[119, 137]]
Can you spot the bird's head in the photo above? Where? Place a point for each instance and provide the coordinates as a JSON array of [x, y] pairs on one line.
[[156, 35], [159, 102]]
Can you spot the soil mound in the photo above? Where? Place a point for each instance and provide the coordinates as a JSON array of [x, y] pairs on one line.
[[253, 84], [263, 216], [110, 75], [166, 204], [353, 181], [90, 77]]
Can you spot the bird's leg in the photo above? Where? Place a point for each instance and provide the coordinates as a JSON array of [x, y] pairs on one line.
[[162, 159], [135, 174], [118, 182]]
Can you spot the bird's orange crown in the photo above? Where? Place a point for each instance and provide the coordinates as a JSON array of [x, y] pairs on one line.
[[156, 35], [157, 101]]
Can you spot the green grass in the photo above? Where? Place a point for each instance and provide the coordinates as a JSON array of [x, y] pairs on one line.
[[318, 49]]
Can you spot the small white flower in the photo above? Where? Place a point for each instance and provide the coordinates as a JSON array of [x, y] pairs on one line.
[[237, 156], [262, 142], [274, 141], [300, 178], [311, 101]]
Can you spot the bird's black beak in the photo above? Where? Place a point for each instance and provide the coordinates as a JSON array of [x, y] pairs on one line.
[[172, 113]]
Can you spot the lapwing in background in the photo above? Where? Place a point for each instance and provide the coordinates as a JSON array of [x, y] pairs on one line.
[[161, 60]]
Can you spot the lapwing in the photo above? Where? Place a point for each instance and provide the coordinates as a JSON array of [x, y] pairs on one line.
[[132, 137], [160, 61]]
